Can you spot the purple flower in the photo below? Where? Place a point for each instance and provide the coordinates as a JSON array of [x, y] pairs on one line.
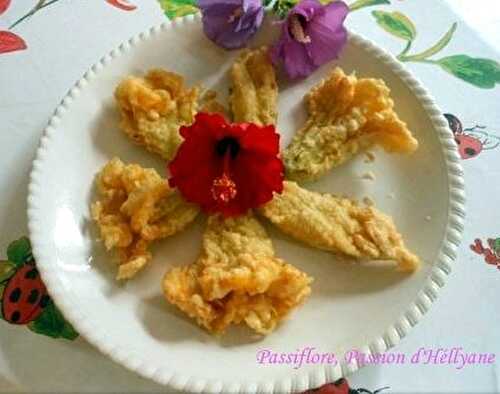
[[231, 23], [312, 35]]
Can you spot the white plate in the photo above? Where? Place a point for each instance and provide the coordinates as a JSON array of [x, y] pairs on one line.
[[350, 307]]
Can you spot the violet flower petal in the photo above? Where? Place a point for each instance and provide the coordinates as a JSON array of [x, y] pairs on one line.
[[322, 38], [204, 5], [306, 8], [327, 32], [231, 23], [297, 61], [293, 54]]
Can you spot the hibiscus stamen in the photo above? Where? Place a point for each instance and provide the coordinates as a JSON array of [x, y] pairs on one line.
[[235, 15], [223, 188], [296, 26]]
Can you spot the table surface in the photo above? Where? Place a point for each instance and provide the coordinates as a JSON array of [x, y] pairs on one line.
[[54, 46]]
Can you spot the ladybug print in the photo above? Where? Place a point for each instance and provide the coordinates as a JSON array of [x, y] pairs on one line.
[[471, 141], [25, 296], [468, 146], [491, 253]]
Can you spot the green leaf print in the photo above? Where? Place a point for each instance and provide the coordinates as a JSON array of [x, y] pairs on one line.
[[7, 269], [366, 3], [396, 24], [52, 323], [483, 73], [436, 48], [480, 72], [19, 251], [177, 8], [68, 332]]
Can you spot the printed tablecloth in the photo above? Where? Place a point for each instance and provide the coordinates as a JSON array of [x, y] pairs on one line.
[[45, 46]]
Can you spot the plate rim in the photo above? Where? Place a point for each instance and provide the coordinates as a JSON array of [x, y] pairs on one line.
[[322, 374]]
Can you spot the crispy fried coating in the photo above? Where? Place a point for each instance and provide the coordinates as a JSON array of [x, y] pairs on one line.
[[338, 225], [208, 103], [136, 207], [153, 109], [236, 279], [254, 96], [346, 115]]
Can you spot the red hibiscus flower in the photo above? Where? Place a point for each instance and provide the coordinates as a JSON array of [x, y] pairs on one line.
[[227, 168]]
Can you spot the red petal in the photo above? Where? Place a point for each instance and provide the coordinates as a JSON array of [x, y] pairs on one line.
[[198, 188], [122, 4], [256, 170], [196, 164], [4, 4], [261, 140], [10, 42], [205, 125], [258, 178], [198, 148]]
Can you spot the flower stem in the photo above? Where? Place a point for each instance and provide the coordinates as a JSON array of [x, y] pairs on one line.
[[40, 5], [437, 47], [428, 61], [405, 50], [406, 59]]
